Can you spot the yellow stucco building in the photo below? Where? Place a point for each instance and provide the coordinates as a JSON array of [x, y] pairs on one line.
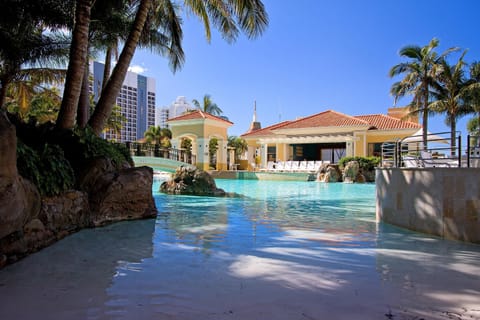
[[327, 135], [201, 127]]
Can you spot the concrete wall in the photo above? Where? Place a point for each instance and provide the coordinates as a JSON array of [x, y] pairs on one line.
[[438, 201]]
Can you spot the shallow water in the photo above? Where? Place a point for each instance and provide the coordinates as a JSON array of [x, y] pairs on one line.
[[284, 250]]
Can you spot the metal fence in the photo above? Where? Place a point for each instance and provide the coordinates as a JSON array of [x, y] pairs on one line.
[[440, 150], [154, 150]]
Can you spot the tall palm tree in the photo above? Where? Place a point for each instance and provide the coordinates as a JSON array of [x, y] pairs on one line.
[[229, 16], [114, 84], [420, 78], [473, 89], [450, 97], [76, 65], [158, 135], [34, 84], [208, 105], [24, 42]]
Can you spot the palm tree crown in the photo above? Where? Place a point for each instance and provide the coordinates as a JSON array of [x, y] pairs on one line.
[[208, 105], [420, 78], [450, 97]]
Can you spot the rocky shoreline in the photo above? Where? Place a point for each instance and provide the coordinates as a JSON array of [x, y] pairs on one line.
[[104, 194]]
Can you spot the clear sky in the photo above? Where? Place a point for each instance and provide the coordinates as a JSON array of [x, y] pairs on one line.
[[315, 55]]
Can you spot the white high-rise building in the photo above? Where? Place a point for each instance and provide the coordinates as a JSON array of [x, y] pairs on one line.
[[136, 100], [177, 108]]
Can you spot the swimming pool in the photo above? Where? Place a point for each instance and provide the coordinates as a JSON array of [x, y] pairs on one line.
[[282, 250]]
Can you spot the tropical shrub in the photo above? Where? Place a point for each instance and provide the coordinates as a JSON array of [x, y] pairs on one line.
[[90, 146], [47, 168], [365, 163]]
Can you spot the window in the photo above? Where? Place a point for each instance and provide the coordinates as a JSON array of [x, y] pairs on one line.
[[375, 149], [271, 153]]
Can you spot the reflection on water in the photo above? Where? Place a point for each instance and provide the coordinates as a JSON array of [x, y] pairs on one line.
[[289, 250]]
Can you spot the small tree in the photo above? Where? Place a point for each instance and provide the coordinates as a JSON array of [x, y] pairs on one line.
[[212, 150], [159, 136], [239, 144], [186, 144]]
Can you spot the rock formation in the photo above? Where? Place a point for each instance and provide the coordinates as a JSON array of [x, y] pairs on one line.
[[329, 173], [354, 173], [29, 222], [124, 194], [192, 181]]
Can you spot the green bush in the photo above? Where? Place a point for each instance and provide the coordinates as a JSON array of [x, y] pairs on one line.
[[365, 163], [47, 168], [91, 146]]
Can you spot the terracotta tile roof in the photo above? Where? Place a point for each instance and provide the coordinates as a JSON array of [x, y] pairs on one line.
[[327, 118], [266, 130], [383, 122], [197, 115]]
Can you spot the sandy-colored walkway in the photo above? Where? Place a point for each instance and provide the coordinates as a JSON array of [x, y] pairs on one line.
[[123, 275]]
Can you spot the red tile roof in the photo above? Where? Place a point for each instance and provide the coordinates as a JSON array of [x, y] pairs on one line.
[[332, 118], [327, 118], [266, 130], [197, 115], [383, 122]]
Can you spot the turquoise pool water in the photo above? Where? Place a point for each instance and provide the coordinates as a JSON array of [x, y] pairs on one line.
[[282, 250]]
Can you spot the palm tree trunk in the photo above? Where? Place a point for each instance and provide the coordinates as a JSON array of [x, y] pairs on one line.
[[76, 66], [453, 131], [83, 111], [425, 119], [114, 84], [4, 82], [108, 66]]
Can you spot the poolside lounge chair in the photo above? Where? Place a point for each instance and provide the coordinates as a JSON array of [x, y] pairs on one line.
[[311, 166], [426, 160], [302, 166], [410, 162], [280, 166], [294, 166], [318, 164], [270, 166]]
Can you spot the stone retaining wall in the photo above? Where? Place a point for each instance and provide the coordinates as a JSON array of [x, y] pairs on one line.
[[439, 201]]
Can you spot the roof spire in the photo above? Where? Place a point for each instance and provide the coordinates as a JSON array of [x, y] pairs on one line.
[[255, 125]]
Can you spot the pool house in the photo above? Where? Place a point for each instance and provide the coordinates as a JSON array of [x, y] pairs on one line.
[[326, 136]]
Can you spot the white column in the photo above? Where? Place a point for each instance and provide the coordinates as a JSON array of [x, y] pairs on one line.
[[263, 155], [349, 151], [222, 155], [201, 148]]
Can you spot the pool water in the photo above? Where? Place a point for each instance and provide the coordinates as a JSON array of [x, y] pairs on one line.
[[279, 250]]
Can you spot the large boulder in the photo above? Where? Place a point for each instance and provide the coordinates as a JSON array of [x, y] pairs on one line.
[[351, 171], [8, 147], [191, 181], [19, 198], [65, 213], [19, 203], [118, 194], [329, 173]]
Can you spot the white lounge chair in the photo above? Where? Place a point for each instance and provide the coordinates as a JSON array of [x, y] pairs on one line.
[[426, 160], [270, 166], [302, 166], [288, 165], [410, 162], [280, 166], [318, 164], [294, 166], [311, 166]]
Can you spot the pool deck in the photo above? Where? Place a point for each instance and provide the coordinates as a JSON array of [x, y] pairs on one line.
[[263, 175]]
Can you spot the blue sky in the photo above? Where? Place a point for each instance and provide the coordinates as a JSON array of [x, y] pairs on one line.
[[315, 55]]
